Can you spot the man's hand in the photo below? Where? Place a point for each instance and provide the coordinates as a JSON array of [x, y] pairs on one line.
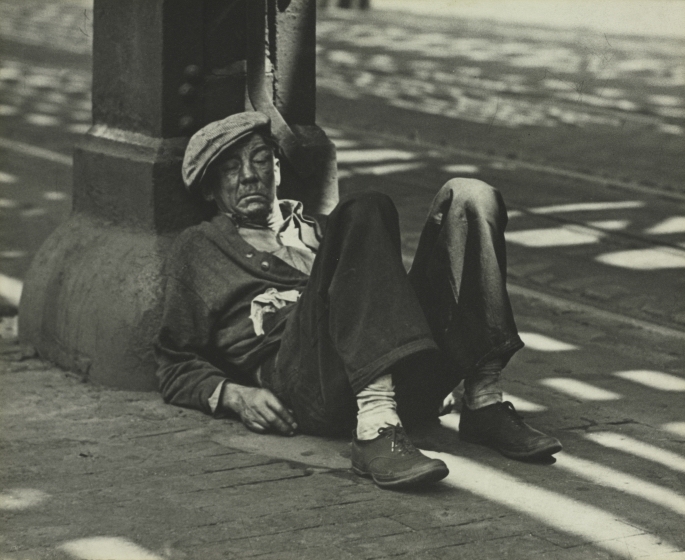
[[259, 409]]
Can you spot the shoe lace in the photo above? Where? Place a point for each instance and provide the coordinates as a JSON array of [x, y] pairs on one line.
[[400, 441], [512, 413]]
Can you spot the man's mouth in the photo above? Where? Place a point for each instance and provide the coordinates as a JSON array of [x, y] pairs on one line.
[[253, 195]]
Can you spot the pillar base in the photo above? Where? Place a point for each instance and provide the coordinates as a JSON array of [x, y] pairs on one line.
[[92, 301]]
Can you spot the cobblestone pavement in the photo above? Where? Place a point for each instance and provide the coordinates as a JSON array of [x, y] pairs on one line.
[[612, 106]]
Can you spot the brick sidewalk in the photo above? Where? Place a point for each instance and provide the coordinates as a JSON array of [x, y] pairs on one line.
[[86, 468]]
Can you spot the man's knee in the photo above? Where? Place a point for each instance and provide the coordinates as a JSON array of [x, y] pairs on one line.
[[473, 195], [369, 205]]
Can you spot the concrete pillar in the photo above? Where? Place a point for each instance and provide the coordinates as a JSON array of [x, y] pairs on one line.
[[161, 70]]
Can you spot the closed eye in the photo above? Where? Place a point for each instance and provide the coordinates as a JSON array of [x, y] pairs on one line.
[[230, 165]]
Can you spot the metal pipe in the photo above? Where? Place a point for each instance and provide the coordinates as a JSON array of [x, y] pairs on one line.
[[300, 159]]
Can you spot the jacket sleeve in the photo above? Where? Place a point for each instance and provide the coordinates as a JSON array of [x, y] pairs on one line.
[[186, 377]]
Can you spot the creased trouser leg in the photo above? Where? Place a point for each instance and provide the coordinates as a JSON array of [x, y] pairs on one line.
[[358, 316], [459, 274]]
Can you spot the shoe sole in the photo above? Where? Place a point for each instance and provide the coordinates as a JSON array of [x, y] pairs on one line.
[[533, 454], [541, 453], [428, 475]]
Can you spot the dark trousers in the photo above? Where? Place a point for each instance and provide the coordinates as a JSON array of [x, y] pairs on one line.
[[362, 316]]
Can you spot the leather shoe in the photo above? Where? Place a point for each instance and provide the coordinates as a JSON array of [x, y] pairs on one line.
[[499, 426], [392, 461]]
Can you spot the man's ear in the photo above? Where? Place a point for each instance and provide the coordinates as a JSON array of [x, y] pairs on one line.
[[277, 171], [207, 191]]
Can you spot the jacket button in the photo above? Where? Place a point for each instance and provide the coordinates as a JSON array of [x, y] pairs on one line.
[[250, 255], [265, 265]]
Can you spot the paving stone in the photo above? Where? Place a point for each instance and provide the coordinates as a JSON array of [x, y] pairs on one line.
[[679, 318], [524, 269], [334, 536], [543, 278], [298, 518], [39, 554], [468, 509], [606, 292], [575, 284], [417, 541], [521, 546], [310, 553], [320, 491], [560, 539], [584, 552]]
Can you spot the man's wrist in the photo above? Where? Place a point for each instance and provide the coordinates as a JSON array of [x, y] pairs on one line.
[[214, 401], [231, 398]]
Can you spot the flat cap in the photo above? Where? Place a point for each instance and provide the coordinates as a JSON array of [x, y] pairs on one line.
[[210, 141]]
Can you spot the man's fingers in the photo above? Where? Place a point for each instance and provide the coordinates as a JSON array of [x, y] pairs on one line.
[[262, 419], [254, 426], [278, 424], [256, 418], [282, 413], [263, 411]]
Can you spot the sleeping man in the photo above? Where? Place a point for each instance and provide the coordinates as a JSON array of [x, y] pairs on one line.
[[300, 324]]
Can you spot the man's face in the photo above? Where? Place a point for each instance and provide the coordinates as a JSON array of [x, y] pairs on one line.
[[245, 179]]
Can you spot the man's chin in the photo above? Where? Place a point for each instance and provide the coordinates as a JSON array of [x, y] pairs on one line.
[[255, 209]]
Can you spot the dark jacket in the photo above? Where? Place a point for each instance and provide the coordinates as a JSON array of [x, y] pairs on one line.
[[206, 335]]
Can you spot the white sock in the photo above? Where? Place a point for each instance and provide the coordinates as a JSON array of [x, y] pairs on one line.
[[377, 408]]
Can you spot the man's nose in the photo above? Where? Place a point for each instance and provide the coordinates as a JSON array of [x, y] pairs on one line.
[[247, 173]]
